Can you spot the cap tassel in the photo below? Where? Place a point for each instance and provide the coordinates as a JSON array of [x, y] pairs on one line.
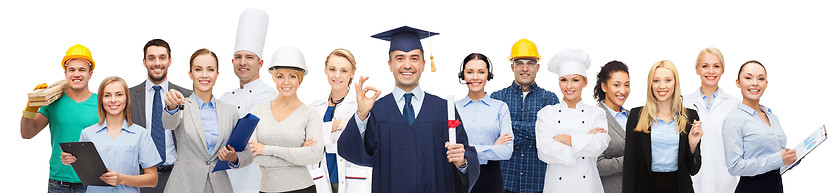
[[431, 57]]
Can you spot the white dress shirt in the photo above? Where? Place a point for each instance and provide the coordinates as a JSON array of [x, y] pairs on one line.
[[171, 155]]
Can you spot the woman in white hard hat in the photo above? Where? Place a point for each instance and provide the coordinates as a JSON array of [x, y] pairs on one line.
[[333, 173], [570, 135], [661, 151], [487, 123], [753, 138], [712, 105], [611, 91], [288, 136], [202, 127]]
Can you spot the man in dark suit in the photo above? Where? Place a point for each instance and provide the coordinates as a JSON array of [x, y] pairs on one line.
[[147, 106]]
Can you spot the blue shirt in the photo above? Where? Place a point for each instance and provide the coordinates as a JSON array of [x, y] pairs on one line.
[[484, 121], [664, 145], [751, 147], [620, 117], [132, 148], [710, 101], [524, 172], [210, 122]]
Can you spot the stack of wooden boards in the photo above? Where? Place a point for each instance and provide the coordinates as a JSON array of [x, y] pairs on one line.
[[43, 97]]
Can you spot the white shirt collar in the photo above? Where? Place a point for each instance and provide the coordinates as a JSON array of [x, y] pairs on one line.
[[164, 86], [418, 93]]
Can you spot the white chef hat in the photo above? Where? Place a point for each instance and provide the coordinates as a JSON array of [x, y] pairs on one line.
[[569, 61], [250, 35]]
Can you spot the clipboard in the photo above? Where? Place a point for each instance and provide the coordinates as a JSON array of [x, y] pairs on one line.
[[88, 165], [809, 144], [239, 137]]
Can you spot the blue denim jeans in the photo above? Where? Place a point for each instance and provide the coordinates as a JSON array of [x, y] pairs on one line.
[[56, 187]]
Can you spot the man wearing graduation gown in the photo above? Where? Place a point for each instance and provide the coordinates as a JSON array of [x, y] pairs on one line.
[[404, 135]]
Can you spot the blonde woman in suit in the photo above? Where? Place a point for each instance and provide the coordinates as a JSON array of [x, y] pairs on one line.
[[662, 151], [611, 91], [202, 129]]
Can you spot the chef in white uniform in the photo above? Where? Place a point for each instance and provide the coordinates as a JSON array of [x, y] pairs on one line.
[[247, 61], [570, 135], [713, 106]]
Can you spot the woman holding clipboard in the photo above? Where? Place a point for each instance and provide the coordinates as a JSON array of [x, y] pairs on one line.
[[122, 144], [753, 139]]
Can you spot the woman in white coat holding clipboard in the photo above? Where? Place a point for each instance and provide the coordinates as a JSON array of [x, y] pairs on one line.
[[334, 173], [570, 135]]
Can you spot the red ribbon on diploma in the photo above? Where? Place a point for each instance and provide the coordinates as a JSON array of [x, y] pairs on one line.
[[454, 123]]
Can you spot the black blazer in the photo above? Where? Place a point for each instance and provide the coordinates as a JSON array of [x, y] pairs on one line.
[[637, 157]]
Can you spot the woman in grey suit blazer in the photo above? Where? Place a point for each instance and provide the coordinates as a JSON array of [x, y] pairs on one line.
[[202, 127], [611, 92]]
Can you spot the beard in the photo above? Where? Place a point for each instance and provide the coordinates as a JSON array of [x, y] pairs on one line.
[[157, 79]]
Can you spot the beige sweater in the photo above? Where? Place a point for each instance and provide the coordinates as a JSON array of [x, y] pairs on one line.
[[283, 162]]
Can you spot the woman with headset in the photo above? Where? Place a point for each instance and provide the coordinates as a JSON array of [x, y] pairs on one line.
[[486, 121]]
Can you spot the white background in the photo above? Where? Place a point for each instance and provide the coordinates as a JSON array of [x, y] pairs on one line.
[[796, 41]]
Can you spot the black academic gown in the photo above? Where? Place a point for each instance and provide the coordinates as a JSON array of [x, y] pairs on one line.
[[409, 158]]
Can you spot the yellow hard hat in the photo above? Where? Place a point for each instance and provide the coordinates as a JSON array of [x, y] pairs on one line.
[[78, 51], [524, 48]]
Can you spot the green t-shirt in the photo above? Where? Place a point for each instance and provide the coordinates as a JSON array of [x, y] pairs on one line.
[[67, 119]]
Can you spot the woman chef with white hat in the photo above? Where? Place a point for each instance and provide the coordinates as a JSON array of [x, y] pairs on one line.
[[570, 135]]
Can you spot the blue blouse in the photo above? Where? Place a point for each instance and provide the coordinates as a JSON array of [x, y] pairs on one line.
[[620, 117], [664, 145], [210, 122], [132, 148], [484, 121], [751, 147]]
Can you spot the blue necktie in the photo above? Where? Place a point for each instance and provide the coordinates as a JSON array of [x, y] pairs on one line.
[[157, 125], [408, 109]]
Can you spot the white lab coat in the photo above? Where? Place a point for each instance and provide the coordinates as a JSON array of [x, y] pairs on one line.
[[713, 177], [246, 179], [571, 168], [351, 177]]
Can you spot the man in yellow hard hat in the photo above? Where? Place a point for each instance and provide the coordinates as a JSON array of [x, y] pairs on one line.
[[524, 172], [67, 116]]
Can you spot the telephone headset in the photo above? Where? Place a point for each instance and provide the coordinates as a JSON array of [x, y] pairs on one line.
[[462, 77]]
